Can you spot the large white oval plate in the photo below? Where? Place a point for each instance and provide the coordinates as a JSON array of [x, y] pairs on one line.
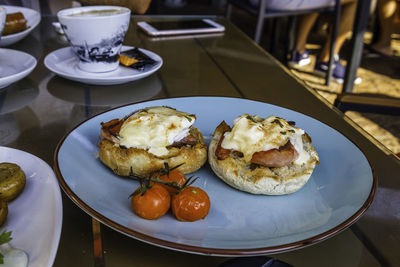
[[32, 20], [338, 192], [35, 216]]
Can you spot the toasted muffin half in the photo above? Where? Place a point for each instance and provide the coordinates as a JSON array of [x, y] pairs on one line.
[[145, 140], [262, 156]]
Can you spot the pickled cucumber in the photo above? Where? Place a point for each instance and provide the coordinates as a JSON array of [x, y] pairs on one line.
[[3, 211], [12, 181]]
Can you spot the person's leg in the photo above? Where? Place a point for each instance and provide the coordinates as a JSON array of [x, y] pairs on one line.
[[299, 56], [305, 25], [386, 15], [345, 26]]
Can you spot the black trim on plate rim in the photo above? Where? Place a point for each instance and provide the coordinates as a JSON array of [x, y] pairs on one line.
[[211, 251]]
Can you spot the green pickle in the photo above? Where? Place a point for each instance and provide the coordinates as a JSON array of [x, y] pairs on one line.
[[3, 211], [12, 181]]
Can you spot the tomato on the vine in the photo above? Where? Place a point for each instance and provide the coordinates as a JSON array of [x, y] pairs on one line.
[[191, 204], [153, 204], [173, 176]]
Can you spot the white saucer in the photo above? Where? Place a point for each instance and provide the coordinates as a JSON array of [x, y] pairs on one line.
[[32, 20], [64, 63], [14, 66]]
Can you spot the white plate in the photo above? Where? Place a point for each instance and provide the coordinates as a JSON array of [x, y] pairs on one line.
[[32, 17], [14, 66], [340, 189], [64, 63], [35, 216]]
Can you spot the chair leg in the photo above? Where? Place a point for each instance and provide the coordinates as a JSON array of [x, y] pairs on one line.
[[259, 29], [274, 35], [356, 44], [269, 30], [228, 12], [260, 22], [333, 42]]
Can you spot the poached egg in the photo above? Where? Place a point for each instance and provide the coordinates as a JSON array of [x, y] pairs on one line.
[[154, 129], [252, 134]]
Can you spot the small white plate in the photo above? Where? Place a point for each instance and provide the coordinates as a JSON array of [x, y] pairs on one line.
[[14, 66], [35, 216], [32, 20], [64, 63]]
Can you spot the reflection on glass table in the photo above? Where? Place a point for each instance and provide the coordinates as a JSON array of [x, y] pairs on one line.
[[92, 95]]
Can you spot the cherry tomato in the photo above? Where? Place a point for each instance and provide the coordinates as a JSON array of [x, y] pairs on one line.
[[153, 204], [191, 204], [173, 176]]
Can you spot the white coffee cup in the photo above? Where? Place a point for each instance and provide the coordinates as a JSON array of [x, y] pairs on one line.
[[3, 14], [95, 34]]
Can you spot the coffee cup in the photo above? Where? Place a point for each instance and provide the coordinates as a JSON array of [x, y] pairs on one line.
[[96, 34]]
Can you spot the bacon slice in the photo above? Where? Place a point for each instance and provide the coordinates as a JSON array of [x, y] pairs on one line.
[[220, 152], [110, 130], [188, 140], [280, 157]]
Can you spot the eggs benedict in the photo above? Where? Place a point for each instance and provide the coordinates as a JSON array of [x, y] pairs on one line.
[[145, 140], [262, 156]]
